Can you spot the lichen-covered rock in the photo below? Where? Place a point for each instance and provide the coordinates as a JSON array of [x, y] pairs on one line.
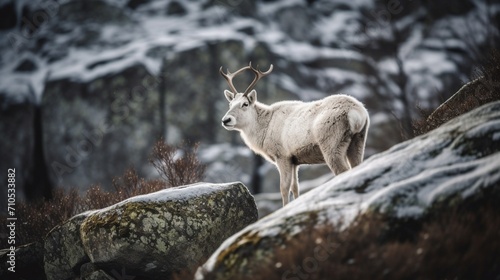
[[453, 164], [89, 271], [64, 252], [156, 234]]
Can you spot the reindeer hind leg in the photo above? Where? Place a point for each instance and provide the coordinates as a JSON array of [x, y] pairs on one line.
[[356, 149], [335, 153]]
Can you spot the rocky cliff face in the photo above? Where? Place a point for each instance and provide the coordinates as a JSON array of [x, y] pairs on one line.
[[449, 166], [89, 124], [112, 76]]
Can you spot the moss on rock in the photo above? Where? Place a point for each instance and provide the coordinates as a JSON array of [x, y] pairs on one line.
[[167, 231]]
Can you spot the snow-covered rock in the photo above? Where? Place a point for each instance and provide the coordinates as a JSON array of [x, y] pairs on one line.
[[151, 235], [445, 167]]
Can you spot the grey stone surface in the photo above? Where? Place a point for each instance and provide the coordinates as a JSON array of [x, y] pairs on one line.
[[64, 253], [156, 234], [88, 125]]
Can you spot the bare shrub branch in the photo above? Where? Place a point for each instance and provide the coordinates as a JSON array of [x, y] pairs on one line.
[[177, 165]]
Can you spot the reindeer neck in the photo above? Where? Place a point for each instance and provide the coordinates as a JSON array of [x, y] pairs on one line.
[[256, 134]]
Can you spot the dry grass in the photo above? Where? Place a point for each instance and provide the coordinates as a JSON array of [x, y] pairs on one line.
[[35, 220]]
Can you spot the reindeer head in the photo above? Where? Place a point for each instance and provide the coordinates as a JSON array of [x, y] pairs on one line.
[[241, 105]]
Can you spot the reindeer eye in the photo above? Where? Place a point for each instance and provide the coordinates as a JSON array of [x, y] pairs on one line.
[[244, 105]]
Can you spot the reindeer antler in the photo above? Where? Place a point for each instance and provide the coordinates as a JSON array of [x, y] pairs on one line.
[[258, 75], [229, 77]]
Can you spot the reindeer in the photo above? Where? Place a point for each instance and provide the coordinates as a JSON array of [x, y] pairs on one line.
[[290, 133]]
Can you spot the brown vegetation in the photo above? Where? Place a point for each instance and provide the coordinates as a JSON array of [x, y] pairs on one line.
[[177, 171], [37, 219], [484, 88]]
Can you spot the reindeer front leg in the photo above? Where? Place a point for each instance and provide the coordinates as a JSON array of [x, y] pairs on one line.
[[285, 169], [295, 181]]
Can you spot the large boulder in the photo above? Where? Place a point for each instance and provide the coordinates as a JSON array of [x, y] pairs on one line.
[[149, 236], [444, 168]]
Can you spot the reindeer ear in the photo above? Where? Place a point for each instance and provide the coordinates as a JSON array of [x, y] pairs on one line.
[[252, 96], [229, 95]]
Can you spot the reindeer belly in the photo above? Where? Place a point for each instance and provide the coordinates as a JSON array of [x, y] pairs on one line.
[[308, 154]]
